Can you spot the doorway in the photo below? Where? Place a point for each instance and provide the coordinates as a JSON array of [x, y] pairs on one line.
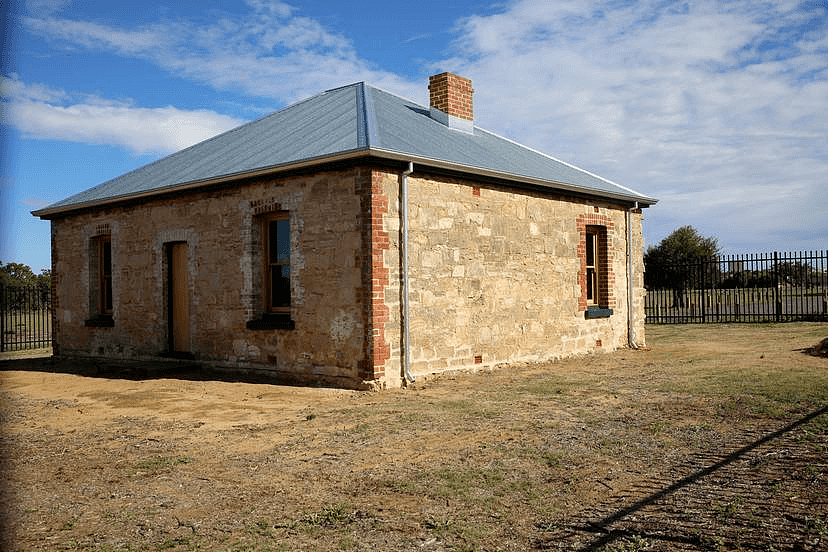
[[178, 298]]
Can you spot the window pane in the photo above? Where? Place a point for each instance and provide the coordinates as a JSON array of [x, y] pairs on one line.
[[105, 276], [590, 249], [279, 240], [590, 281], [272, 240], [283, 240], [108, 296], [107, 257], [280, 286]]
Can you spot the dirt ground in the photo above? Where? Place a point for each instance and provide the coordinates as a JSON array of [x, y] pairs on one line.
[[714, 438]]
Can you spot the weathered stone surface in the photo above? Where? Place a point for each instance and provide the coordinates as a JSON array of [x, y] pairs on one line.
[[496, 276], [495, 273], [220, 228]]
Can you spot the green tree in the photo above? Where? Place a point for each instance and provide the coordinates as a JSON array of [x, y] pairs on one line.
[[17, 274], [673, 262], [44, 279], [20, 275], [796, 273]]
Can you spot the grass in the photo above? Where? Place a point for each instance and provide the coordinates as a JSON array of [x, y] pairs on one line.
[[157, 464], [484, 460], [331, 515], [753, 379]]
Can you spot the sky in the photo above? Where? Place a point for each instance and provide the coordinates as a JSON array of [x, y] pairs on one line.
[[717, 109]]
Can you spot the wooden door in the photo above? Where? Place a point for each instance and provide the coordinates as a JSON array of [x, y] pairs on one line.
[[179, 299]]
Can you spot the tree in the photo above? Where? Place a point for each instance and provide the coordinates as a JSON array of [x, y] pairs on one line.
[[673, 262], [17, 274], [44, 279], [796, 273]]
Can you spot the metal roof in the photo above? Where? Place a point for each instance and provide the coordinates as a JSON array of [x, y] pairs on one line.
[[353, 121]]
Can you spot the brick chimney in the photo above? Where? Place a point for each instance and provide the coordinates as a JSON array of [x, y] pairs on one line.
[[450, 98]]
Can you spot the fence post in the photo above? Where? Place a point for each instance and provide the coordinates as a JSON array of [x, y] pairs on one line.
[[2, 318], [777, 300]]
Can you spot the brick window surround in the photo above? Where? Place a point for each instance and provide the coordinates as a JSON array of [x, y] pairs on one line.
[[602, 226]]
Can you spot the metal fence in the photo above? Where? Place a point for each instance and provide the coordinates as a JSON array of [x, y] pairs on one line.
[[25, 317], [771, 287]]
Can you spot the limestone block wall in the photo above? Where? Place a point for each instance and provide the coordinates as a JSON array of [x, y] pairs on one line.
[[330, 283], [497, 275]]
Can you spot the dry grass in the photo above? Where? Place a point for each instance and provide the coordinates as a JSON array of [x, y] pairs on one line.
[[518, 458]]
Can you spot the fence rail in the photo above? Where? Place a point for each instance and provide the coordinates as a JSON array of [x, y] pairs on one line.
[[772, 287], [25, 317]]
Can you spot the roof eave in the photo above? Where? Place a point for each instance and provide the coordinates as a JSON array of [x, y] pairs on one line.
[[644, 201], [53, 212]]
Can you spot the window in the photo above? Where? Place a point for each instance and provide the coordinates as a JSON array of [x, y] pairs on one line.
[[591, 266], [100, 281], [105, 275], [277, 262], [274, 236], [596, 294]]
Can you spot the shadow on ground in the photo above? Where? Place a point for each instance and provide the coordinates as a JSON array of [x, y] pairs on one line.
[[609, 529], [182, 369]]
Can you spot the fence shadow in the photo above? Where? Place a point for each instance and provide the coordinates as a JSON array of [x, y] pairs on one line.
[[610, 535], [134, 370], [818, 350]]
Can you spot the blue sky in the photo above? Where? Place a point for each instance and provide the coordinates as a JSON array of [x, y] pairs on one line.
[[718, 109]]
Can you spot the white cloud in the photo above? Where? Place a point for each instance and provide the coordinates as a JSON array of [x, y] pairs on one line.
[[93, 35], [46, 7], [269, 52], [42, 112], [718, 109]]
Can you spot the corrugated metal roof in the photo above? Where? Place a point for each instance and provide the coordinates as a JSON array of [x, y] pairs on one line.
[[344, 122]]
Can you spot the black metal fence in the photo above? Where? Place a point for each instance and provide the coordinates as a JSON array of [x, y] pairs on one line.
[[772, 287], [25, 317]]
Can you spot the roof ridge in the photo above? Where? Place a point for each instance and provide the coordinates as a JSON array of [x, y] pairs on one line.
[[357, 118], [372, 134]]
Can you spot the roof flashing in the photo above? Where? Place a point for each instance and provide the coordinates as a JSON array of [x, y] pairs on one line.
[[452, 122]]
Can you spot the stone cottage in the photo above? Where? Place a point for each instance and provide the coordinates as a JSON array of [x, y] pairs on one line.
[[355, 239]]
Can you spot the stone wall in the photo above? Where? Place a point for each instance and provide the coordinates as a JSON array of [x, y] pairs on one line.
[[328, 255], [497, 275]]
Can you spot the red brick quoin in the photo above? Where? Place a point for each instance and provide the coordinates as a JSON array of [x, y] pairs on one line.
[[606, 277], [381, 351]]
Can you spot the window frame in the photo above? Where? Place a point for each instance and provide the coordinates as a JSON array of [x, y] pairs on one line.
[[598, 280], [268, 316], [101, 296], [593, 268], [269, 264], [104, 246]]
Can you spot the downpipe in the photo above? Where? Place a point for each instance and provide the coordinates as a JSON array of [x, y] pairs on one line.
[[631, 337], [406, 336]]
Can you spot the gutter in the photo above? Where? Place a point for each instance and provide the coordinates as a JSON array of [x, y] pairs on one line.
[[406, 336]]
